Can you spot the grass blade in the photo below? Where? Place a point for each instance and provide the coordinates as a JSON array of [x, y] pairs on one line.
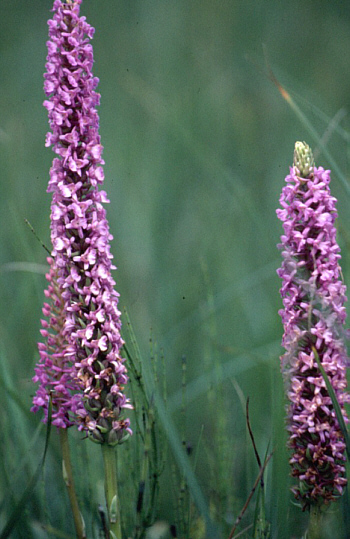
[[14, 518], [335, 403]]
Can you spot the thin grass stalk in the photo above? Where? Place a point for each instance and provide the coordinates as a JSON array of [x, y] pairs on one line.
[[308, 125], [195, 460], [156, 467], [175, 499], [111, 491], [70, 484], [165, 419], [142, 483], [152, 455], [245, 507], [218, 454], [183, 485], [18, 508]]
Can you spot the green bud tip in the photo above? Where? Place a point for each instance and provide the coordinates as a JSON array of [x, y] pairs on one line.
[[303, 159]]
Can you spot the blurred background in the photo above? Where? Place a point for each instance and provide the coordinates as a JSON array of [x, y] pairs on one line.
[[197, 142]]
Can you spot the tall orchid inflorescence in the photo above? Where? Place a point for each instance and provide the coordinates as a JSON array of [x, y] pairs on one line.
[[80, 362], [313, 317]]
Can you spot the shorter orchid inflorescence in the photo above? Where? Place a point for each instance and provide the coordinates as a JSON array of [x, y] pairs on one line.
[[80, 368], [55, 371], [313, 318]]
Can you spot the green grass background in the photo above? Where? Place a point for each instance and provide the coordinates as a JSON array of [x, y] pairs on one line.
[[197, 144]]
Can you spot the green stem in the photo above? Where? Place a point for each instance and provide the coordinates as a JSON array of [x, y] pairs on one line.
[[111, 491], [68, 478], [315, 523]]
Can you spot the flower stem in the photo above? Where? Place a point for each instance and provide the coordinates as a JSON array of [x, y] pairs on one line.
[[68, 478], [315, 523], [111, 491]]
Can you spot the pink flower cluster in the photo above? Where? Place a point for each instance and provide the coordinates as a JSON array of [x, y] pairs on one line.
[[313, 317], [80, 363]]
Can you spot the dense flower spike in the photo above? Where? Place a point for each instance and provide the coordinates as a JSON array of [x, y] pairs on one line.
[[313, 318], [90, 337], [55, 371]]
